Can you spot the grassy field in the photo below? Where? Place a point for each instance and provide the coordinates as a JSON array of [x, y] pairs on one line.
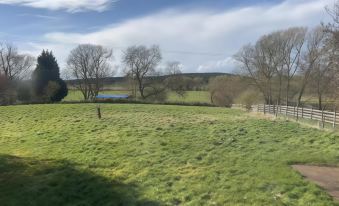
[[156, 155], [190, 96]]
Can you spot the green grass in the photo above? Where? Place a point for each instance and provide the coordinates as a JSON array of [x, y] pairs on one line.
[[156, 155], [189, 97]]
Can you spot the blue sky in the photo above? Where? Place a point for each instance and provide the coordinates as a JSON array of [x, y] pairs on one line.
[[201, 34]]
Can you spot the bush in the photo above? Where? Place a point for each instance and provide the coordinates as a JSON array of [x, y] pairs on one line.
[[221, 99], [156, 94], [248, 98], [61, 92], [24, 92], [50, 91], [7, 93], [224, 89]]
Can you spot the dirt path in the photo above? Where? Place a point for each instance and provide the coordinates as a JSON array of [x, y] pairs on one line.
[[325, 177]]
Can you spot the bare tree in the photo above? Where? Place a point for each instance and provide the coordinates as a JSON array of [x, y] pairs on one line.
[[293, 39], [255, 62], [175, 80], [325, 74], [89, 64], [315, 42], [272, 46], [274, 56], [140, 63], [13, 65], [333, 27]]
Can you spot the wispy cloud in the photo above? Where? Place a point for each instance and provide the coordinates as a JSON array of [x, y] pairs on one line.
[[40, 16], [200, 40], [68, 5]]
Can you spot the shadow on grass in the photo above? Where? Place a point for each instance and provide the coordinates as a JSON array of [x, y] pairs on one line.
[[25, 181]]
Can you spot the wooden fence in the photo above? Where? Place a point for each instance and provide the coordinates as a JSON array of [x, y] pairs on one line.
[[300, 112]]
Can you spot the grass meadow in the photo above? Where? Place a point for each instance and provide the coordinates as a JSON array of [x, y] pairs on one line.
[[156, 155]]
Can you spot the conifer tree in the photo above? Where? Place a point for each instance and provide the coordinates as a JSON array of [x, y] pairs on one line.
[[47, 71]]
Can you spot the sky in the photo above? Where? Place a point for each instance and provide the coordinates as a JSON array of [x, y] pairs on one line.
[[202, 35]]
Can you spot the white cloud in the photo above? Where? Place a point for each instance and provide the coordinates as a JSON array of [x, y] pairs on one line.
[[206, 39], [68, 5]]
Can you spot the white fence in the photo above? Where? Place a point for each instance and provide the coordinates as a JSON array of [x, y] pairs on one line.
[[300, 112]]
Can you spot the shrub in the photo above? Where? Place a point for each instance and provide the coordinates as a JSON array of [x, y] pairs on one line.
[[220, 98], [24, 92], [248, 98]]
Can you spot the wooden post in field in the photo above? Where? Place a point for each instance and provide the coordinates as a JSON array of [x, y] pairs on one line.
[[302, 112], [297, 112], [293, 111], [258, 108], [322, 119], [312, 112], [335, 116], [264, 109], [99, 111], [286, 110], [276, 110]]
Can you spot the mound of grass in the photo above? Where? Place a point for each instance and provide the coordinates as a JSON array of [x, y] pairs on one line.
[[156, 155]]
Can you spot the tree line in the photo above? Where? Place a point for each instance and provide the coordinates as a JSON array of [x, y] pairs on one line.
[[19, 82], [89, 64], [284, 67], [288, 65]]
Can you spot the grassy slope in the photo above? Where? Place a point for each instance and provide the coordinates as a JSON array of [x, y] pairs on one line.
[[190, 96], [155, 155]]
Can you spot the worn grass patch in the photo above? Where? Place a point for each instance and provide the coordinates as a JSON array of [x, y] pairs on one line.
[[156, 155]]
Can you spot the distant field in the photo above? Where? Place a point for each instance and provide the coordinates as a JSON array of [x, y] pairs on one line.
[[190, 96], [156, 155], [76, 95]]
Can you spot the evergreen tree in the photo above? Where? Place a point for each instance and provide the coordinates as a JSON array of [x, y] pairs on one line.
[[47, 70]]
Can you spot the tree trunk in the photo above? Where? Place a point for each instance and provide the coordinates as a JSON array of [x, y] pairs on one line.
[[320, 106], [287, 91]]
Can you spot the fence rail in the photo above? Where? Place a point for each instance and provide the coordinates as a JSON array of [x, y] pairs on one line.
[[299, 112]]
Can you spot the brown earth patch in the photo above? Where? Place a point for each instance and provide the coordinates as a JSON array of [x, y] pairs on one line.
[[325, 177]]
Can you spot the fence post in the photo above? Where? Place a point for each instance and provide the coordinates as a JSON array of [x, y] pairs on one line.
[[297, 112], [258, 108], [99, 111], [302, 112], [334, 117], [286, 110], [293, 111], [322, 119], [264, 108], [312, 112]]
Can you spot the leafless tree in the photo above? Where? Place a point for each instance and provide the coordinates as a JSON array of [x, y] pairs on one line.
[[254, 61], [175, 80], [312, 54], [140, 64], [274, 56], [293, 39], [89, 64], [13, 65], [271, 47], [333, 27], [324, 75]]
